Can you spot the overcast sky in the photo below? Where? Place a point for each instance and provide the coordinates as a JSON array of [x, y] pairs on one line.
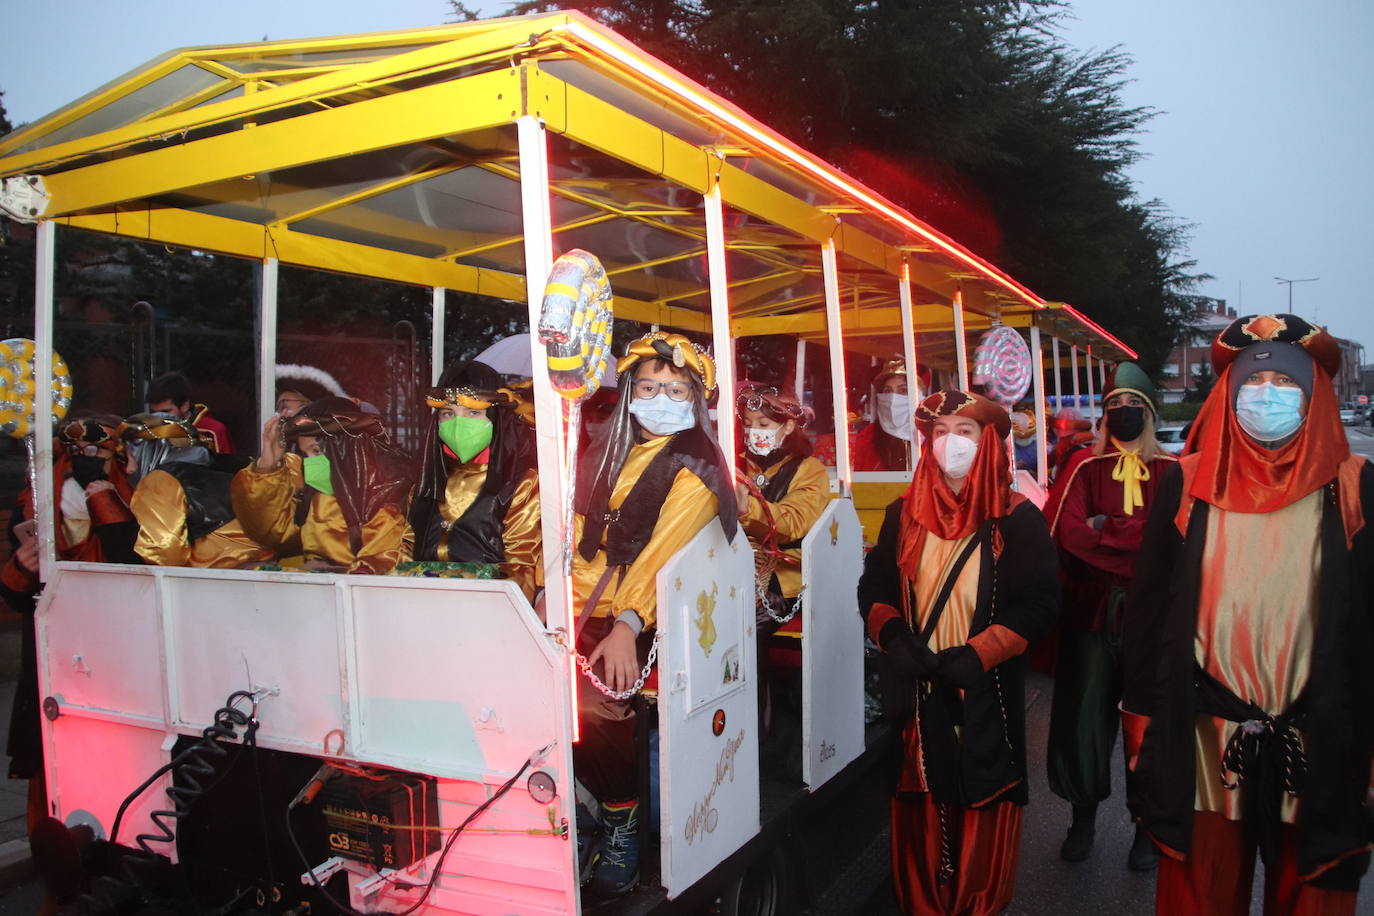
[[1264, 139]]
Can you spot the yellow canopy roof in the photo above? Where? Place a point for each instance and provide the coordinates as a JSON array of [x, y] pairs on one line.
[[394, 155]]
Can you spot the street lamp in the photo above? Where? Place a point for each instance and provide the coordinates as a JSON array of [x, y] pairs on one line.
[[1290, 287]]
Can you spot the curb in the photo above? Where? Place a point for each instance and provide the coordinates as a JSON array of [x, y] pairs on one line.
[[16, 863]]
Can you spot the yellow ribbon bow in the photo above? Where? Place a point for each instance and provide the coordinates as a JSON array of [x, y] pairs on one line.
[[1131, 472]]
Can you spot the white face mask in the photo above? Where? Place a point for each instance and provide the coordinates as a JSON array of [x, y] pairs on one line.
[[954, 454], [660, 415], [894, 414], [760, 441]]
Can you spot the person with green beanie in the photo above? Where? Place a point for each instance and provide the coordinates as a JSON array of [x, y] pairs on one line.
[[1097, 512]]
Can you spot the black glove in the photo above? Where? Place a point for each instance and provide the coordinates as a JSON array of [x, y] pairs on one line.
[[959, 667], [912, 656], [904, 661]]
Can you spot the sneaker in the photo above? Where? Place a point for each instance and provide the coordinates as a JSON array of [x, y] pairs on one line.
[[588, 844], [1144, 855], [1079, 843], [617, 872]]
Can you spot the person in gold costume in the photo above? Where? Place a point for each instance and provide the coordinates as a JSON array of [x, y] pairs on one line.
[[654, 481], [790, 490], [478, 496], [339, 504], [181, 501]]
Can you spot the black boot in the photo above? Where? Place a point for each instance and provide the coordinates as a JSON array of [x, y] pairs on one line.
[[1079, 843], [1144, 855]]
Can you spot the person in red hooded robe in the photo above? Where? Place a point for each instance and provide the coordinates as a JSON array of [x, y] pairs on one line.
[[962, 579], [92, 523], [1248, 705]]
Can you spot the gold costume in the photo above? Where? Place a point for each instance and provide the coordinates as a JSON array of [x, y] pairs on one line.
[[265, 504], [937, 557], [159, 504], [793, 515], [521, 535], [1257, 613], [688, 508]]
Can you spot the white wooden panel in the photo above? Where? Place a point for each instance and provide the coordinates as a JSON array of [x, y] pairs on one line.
[[125, 756], [229, 634], [832, 644], [458, 678], [709, 782], [100, 642]]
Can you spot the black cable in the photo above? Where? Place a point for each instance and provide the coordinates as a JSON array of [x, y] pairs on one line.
[[196, 763], [438, 863]]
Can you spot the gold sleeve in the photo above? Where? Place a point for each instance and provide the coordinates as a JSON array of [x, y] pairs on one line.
[[383, 535], [689, 507], [522, 536], [159, 504], [797, 511], [265, 505]]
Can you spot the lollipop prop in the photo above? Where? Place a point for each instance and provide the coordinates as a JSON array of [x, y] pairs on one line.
[[1002, 365], [17, 389], [575, 329]]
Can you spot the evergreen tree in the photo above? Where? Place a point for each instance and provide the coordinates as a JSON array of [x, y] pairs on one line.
[[975, 115]]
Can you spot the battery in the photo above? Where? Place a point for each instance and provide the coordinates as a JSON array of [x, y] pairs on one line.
[[387, 822]]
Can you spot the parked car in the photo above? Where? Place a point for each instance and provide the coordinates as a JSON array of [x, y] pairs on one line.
[[1348, 415], [1172, 437]]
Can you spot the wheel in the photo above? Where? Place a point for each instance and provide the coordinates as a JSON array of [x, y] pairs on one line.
[[765, 889]]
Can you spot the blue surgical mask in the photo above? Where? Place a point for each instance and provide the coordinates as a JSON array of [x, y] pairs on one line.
[[1267, 412], [660, 415]]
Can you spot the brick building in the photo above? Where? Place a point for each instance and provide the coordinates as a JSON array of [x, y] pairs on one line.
[[1189, 365]]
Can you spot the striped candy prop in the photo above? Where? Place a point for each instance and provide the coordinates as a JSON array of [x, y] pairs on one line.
[[1002, 365], [18, 387], [575, 324], [575, 329]]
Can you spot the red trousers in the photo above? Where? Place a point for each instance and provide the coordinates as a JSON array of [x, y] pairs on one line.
[[1216, 877], [984, 846]]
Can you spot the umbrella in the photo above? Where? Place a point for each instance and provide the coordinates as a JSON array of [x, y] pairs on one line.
[[511, 356]]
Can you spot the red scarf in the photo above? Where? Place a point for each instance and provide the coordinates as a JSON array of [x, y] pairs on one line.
[[933, 506]]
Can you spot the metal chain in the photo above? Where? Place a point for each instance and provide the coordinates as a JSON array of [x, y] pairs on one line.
[[585, 666], [765, 601]]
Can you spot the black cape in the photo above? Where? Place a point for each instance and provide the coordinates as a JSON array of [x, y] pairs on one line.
[[992, 757]]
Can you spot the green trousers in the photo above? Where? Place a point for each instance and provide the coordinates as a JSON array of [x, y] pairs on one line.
[[1084, 717]]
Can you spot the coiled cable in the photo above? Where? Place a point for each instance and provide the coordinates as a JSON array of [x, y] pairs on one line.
[[196, 764]]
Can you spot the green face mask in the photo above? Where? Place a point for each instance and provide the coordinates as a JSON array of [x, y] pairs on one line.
[[316, 471], [465, 436]]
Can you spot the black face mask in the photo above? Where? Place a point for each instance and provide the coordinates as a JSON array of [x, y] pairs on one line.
[[1126, 423], [87, 468]]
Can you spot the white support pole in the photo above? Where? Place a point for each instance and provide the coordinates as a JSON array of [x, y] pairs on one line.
[[1102, 374], [835, 337], [1092, 407], [909, 355], [43, 497], [1058, 395], [1042, 432], [722, 340], [799, 385], [267, 343], [1073, 364], [538, 230], [436, 335], [960, 344]]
